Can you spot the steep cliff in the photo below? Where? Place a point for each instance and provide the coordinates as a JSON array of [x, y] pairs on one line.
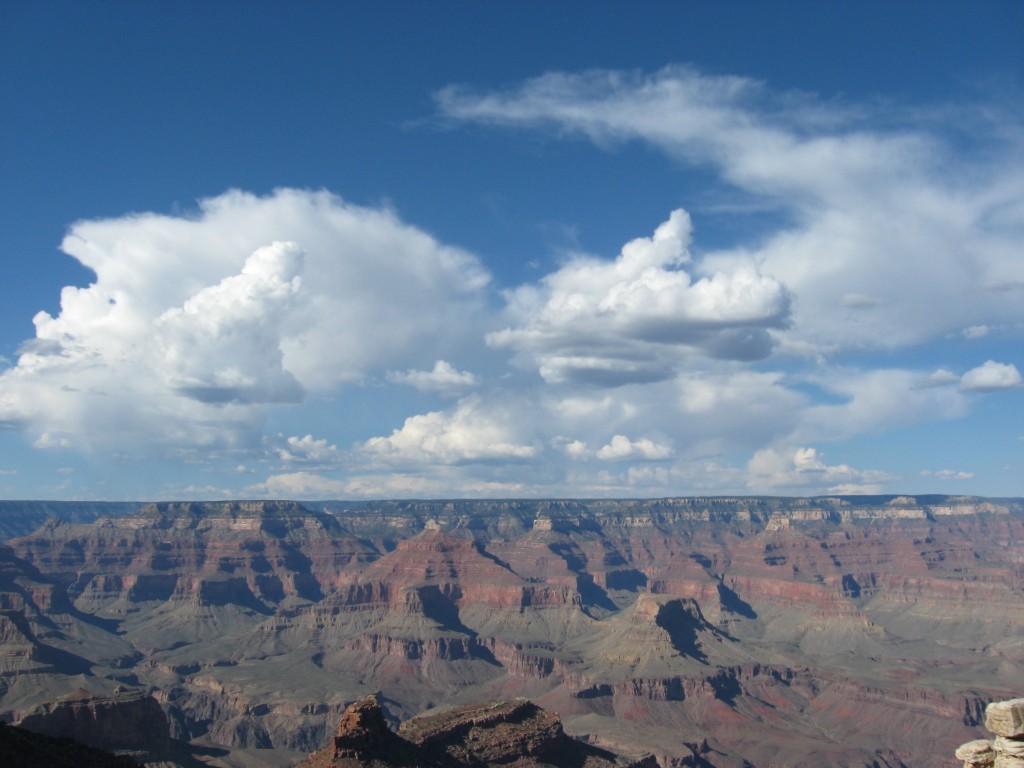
[[128, 721]]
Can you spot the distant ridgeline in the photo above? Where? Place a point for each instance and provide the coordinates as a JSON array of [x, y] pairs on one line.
[[18, 518], [771, 512]]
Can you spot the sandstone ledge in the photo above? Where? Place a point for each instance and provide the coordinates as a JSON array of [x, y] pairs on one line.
[[1006, 720]]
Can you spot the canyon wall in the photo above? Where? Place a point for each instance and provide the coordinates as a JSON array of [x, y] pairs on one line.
[[720, 631]]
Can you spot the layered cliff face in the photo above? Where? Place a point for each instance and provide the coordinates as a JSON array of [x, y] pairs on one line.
[[253, 555], [44, 640], [865, 631], [129, 721]]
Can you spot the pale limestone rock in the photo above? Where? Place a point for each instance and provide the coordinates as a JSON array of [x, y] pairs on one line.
[[1005, 718], [976, 754], [1009, 747], [1008, 761]]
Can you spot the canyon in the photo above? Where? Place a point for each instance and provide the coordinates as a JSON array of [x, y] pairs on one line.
[[831, 631]]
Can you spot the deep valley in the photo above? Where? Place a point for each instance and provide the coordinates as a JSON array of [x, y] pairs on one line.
[[840, 631]]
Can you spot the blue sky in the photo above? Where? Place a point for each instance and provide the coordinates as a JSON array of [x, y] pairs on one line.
[[348, 250]]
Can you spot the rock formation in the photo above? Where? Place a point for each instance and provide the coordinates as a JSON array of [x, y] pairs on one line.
[[503, 733], [126, 721], [1006, 720], [20, 748], [797, 632]]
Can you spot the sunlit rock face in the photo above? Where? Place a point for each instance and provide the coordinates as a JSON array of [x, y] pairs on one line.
[[1006, 720], [254, 554], [797, 632]]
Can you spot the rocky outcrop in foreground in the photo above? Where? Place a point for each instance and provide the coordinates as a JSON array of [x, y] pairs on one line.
[[19, 747], [1006, 720], [507, 733], [125, 721]]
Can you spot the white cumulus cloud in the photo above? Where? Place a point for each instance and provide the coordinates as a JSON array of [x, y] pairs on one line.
[[196, 324], [224, 343], [779, 469], [940, 377], [893, 236], [991, 376], [633, 319], [308, 449], [621, 448], [470, 432], [574, 449], [444, 378]]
